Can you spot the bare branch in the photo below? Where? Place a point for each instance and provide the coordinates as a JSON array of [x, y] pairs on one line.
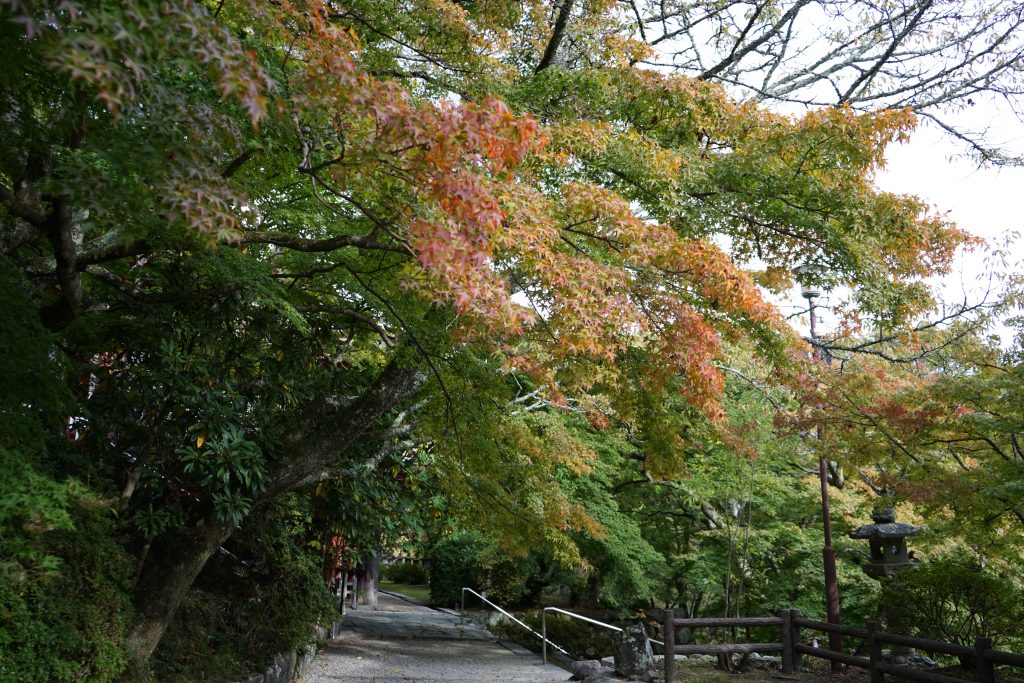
[[306, 244], [884, 58], [737, 54], [921, 54]]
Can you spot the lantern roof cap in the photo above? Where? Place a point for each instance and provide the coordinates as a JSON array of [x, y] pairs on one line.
[[885, 526]]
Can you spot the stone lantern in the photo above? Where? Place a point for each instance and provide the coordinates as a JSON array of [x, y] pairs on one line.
[[888, 541]]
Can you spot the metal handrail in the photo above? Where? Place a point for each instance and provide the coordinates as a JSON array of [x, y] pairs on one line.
[[462, 611], [595, 622]]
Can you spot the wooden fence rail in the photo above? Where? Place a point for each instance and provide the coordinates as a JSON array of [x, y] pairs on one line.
[[790, 624]]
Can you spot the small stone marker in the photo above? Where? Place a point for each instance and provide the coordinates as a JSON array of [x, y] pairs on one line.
[[633, 653]]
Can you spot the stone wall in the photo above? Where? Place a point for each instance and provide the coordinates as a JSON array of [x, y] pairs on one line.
[[288, 666]]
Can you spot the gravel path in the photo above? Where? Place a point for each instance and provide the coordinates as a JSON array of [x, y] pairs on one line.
[[402, 641]]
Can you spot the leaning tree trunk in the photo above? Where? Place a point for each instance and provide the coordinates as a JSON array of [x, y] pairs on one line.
[[319, 438], [165, 580]]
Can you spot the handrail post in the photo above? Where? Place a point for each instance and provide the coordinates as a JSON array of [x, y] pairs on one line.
[[874, 652], [786, 631], [462, 608], [669, 635], [544, 633], [986, 671], [798, 657]]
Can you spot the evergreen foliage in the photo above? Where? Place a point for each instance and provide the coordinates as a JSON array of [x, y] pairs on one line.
[[453, 566], [262, 596], [412, 574]]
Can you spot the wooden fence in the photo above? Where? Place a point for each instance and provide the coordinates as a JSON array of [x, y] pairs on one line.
[[790, 625]]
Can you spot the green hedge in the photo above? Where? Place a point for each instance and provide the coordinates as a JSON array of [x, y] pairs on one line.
[[412, 574], [469, 561], [953, 598], [453, 566]]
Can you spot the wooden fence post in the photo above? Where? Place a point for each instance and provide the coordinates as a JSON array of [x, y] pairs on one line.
[[788, 651], [874, 652], [798, 657], [986, 671], [669, 635]]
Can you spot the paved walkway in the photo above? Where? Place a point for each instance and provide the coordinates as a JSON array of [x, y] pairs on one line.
[[403, 641]]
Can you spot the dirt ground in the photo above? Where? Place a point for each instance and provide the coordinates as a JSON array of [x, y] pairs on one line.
[[694, 671], [815, 671]]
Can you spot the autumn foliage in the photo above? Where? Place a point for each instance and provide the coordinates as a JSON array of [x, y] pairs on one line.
[[270, 246]]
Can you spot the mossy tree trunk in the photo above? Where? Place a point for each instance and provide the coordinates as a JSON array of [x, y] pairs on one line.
[[323, 435]]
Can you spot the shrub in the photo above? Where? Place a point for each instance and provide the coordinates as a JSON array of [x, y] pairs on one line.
[[263, 597], [953, 598], [222, 632], [470, 561], [508, 580], [69, 624], [412, 574], [581, 640], [453, 565]]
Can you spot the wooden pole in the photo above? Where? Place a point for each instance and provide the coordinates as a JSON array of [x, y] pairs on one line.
[[669, 636], [874, 652], [798, 657], [788, 651], [828, 554], [986, 671]]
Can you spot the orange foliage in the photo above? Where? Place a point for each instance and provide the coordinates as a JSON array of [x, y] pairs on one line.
[[596, 278]]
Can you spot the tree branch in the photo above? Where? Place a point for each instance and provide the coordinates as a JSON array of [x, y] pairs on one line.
[[306, 244], [556, 36], [327, 431], [237, 164], [19, 209], [736, 55]]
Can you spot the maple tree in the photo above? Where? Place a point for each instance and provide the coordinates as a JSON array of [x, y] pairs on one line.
[[928, 421], [944, 438], [254, 232]]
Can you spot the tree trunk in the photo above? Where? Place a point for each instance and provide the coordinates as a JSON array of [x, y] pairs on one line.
[[319, 439], [370, 578], [172, 567]]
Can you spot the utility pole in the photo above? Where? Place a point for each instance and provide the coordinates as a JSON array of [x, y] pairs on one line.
[[835, 640]]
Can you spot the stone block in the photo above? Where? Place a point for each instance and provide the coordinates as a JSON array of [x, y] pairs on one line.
[[281, 669], [757, 661], [586, 668], [603, 677], [305, 660]]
